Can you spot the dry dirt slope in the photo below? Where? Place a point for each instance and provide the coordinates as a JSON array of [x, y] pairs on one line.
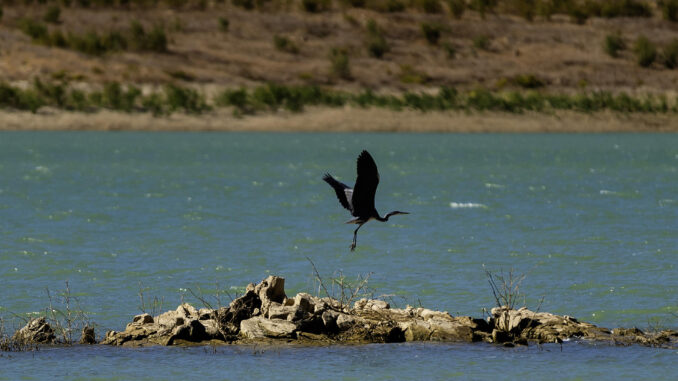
[[565, 56]]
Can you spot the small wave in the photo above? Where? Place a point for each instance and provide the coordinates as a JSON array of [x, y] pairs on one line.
[[492, 185], [466, 205]]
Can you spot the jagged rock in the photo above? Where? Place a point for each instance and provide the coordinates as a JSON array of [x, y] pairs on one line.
[[278, 311], [371, 304], [270, 290], [329, 318], [345, 321], [264, 313], [143, 319], [87, 336], [260, 327], [188, 312], [37, 331]]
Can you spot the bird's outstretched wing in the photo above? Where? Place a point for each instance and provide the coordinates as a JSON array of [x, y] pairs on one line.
[[342, 190], [365, 185]]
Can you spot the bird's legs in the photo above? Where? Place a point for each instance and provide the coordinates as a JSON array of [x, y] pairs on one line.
[[355, 235]]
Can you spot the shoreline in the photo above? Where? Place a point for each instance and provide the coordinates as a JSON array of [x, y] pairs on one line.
[[346, 119]]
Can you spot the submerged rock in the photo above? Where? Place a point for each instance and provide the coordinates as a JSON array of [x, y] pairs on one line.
[[265, 313], [37, 331]]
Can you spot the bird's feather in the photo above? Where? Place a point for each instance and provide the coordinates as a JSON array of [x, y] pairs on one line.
[[341, 189], [365, 186]]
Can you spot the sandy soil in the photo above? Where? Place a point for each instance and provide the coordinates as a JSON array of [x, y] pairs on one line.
[[345, 120]]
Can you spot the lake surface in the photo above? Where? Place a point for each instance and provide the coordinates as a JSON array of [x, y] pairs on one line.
[[591, 220]]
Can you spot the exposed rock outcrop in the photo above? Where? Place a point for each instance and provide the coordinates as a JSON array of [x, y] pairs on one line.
[[37, 331], [265, 314]]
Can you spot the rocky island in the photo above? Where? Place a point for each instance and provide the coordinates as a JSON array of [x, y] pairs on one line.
[[266, 315]]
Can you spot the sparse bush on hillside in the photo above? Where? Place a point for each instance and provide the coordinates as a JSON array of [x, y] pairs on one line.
[[624, 8], [525, 8], [431, 32], [481, 42], [395, 6], [669, 9], [450, 50], [457, 7], [339, 63], [246, 4], [528, 81], [645, 51], [670, 54], [223, 24], [429, 6], [52, 14], [315, 6], [409, 74], [483, 6], [613, 44], [284, 44], [376, 43]]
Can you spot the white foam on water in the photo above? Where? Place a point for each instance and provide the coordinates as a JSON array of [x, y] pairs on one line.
[[466, 205]]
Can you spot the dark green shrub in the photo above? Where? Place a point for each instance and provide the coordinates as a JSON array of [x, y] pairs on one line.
[[236, 98], [339, 63], [670, 54], [315, 6], [525, 8], [578, 14], [153, 103], [189, 100], [457, 7], [247, 4], [625, 8], [409, 74], [156, 41], [483, 6], [35, 30], [395, 6], [284, 44], [356, 3], [613, 44], [181, 75], [528, 81], [450, 50], [430, 6], [481, 42], [52, 14], [223, 24], [669, 9], [376, 43], [645, 51], [431, 32]]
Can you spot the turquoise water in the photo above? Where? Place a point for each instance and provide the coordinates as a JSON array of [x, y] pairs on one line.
[[591, 220]]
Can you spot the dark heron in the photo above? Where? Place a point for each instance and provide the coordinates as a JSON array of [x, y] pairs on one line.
[[360, 200]]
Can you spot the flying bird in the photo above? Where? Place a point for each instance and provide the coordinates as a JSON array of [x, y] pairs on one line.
[[359, 200]]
